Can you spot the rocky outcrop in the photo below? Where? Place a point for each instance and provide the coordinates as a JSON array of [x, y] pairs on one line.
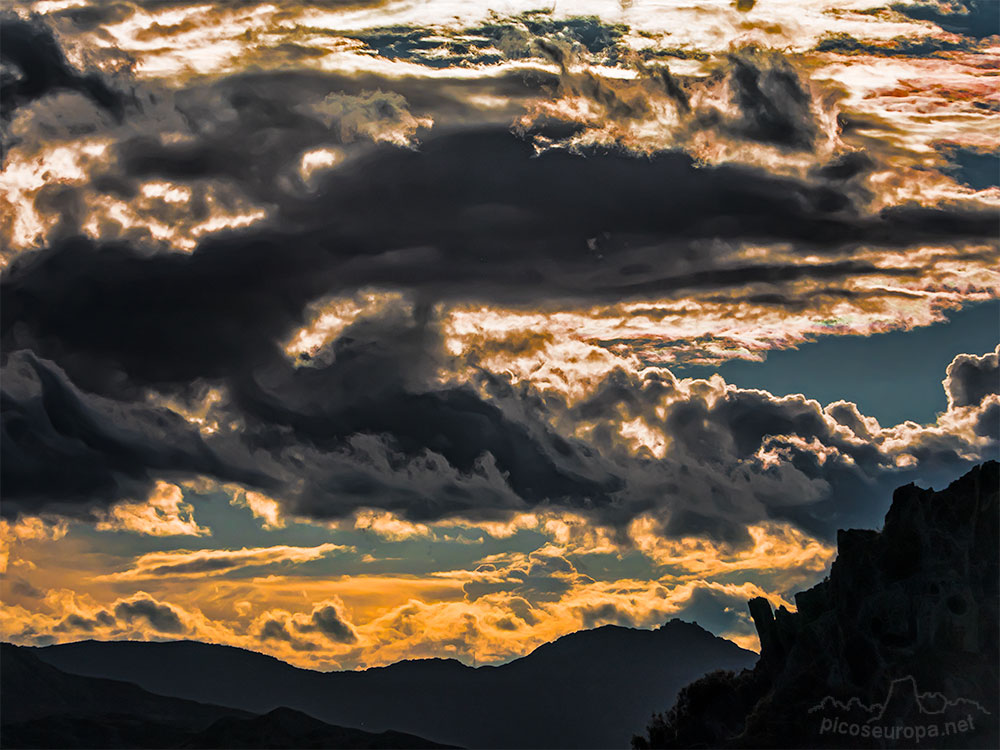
[[897, 647]]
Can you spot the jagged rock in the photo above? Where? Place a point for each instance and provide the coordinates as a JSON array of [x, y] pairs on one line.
[[915, 607]]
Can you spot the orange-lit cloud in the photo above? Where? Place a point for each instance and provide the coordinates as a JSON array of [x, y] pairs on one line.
[[199, 563], [163, 514]]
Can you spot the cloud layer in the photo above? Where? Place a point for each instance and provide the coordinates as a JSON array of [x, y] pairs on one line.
[[352, 335]]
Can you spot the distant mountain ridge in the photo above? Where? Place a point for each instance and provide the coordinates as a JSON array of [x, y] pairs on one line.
[[589, 689], [44, 707]]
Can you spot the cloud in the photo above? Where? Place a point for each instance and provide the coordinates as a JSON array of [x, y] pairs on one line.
[[163, 514], [634, 444], [523, 36], [161, 617], [901, 46], [271, 629], [198, 563], [22, 587], [778, 549], [316, 410], [328, 618], [27, 528], [718, 610], [774, 105], [73, 451], [30, 47], [388, 526], [291, 115], [517, 228], [261, 506], [312, 266], [543, 575], [971, 378], [403, 439]]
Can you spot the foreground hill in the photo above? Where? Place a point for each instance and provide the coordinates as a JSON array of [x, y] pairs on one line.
[[896, 648], [44, 707], [588, 690]]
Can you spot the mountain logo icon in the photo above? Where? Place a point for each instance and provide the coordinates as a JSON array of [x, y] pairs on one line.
[[905, 714]]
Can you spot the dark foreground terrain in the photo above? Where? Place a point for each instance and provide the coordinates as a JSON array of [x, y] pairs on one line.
[[44, 707], [590, 689], [896, 648]]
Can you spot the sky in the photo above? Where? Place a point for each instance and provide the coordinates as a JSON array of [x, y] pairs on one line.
[[901, 379], [355, 331]]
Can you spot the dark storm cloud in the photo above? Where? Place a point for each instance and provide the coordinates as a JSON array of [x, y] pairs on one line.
[[716, 476], [249, 130], [471, 215], [161, 617], [169, 318], [481, 207], [330, 621], [23, 587], [66, 451], [429, 451], [776, 108], [424, 456], [277, 630], [325, 444], [771, 101], [100, 13], [75, 622], [473, 210], [901, 46], [94, 15], [518, 37], [478, 215], [30, 47]]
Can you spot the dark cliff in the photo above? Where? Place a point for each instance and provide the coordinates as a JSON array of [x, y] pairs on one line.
[[911, 608]]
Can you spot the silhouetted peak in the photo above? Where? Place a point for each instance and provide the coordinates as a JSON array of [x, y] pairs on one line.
[[431, 664], [677, 625], [674, 630], [285, 714]]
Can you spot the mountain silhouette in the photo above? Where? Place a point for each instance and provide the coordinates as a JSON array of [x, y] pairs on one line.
[[285, 727], [44, 707], [589, 689], [917, 603]]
